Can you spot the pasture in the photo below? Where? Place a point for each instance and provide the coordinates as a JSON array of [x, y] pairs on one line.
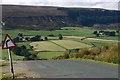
[[6, 57], [46, 46], [85, 32], [69, 44], [53, 46], [57, 45], [49, 55], [82, 32]]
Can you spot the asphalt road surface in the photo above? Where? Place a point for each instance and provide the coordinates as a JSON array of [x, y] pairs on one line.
[[72, 69]]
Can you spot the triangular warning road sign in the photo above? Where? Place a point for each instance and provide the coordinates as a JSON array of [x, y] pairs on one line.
[[8, 42]]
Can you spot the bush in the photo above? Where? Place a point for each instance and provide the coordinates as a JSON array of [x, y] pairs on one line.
[[17, 51], [108, 53], [16, 39], [79, 55], [33, 56], [23, 47], [27, 58], [66, 56], [60, 37], [85, 51], [95, 51], [45, 38], [25, 53], [31, 47], [71, 56]]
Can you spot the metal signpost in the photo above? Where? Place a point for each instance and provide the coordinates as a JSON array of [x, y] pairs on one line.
[[8, 44]]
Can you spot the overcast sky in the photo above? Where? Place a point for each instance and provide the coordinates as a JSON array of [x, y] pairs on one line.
[[106, 4]]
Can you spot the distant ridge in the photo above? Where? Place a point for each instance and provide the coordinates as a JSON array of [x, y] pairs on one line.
[[48, 17]]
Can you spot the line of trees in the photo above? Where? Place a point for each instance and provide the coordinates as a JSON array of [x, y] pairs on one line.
[[107, 33], [21, 38]]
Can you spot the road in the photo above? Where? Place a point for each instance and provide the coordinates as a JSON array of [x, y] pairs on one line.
[[72, 69]]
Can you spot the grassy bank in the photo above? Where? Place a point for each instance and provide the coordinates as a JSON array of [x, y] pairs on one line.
[[107, 53]]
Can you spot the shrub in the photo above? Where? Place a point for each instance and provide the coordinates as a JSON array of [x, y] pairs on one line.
[[66, 56], [23, 47], [33, 56], [71, 56], [31, 47], [17, 51], [60, 37], [45, 38], [16, 39], [26, 58], [79, 55], [95, 51], [25, 53], [85, 51]]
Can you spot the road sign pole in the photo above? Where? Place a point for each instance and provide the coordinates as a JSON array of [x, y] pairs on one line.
[[8, 44], [11, 64], [10, 59]]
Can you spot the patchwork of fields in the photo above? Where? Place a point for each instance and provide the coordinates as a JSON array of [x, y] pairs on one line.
[[54, 46], [57, 45]]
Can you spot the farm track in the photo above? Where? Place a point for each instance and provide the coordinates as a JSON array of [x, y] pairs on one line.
[[91, 39]]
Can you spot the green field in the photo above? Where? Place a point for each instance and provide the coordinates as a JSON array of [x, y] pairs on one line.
[[57, 45], [4, 52], [46, 46], [6, 57], [27, 44], [83, 32], [90, 42], [69, 44], [54, 46], [49, 55], [86, 32]]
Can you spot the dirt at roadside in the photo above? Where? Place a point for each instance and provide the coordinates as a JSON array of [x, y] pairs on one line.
[[21, 68]]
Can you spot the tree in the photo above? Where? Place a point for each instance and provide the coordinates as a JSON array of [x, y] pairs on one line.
[[31, 47], [97, 35], [20, 34], [16, 39], [25, 53], [23, 47], [45, 38], [36, 38], [17, 51], [112, 33], [95, 32], [117, 31], [27, 38], [33, 56], [60, 37]]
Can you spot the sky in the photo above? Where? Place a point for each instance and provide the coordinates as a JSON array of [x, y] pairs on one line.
[[106, 4]]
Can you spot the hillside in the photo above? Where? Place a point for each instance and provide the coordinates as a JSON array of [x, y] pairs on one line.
[[45, 17]]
